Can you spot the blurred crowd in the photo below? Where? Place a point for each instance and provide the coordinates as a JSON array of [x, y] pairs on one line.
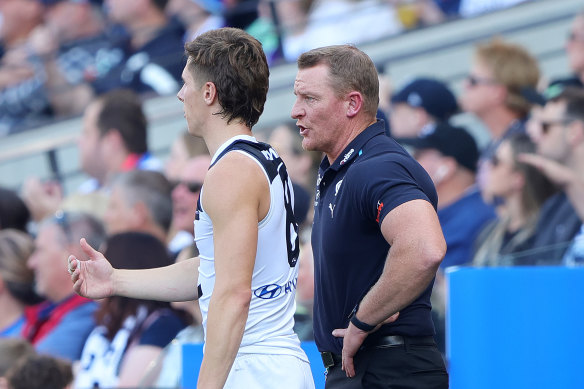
[[516, 201], [57, 55]]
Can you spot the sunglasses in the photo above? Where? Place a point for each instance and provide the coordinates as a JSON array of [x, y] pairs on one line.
[[573, 37], [475, 80], [495, 160], [192, 186], [547, 125]]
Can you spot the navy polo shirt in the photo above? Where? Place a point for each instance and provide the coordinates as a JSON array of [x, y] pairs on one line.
[[372, 176]]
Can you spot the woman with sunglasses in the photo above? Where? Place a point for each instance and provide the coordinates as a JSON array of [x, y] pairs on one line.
[[519, 190]]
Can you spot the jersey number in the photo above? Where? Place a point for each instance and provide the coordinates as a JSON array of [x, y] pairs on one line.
[[292, 240]]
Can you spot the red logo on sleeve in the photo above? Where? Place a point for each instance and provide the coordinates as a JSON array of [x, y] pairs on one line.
[[379, 208]]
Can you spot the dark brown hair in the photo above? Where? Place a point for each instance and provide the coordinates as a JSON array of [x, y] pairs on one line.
[[121, 110], [234, 61]]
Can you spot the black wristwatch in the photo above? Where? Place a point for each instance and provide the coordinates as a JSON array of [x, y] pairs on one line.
[[358, 323]]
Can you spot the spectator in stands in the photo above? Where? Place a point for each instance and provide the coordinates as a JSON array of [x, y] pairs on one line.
[[168, 371], [75, 50], [290, 20], [16, 281], [114, 139], [420, 13], [560, 155], [522, 189], [301, 164], [153, 54], [140, 201], [11, 350], [185, 196], [13, 211], [131, 333], [184, 147], [333, 22], [197, 16], [499, 74], [23, 102], [492, 91], [60, 325], [419, 105], [450, 155], [39, 372], [575, 52], [302, 167]]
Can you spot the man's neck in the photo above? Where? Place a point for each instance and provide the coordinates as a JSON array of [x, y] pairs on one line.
[[146, 29], [453, 190], [498, 121], [58, 296], [11, 311], [220, 132], [353, 129]]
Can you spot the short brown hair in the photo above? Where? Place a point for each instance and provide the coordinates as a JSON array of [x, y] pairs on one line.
[[121, 110], [350, 69], [513, 67], [234, 61]]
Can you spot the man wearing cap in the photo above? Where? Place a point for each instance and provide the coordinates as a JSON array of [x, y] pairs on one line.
[[449, 155], [419, 105]]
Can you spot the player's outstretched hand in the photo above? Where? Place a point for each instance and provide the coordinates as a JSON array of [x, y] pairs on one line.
[[94, 277]]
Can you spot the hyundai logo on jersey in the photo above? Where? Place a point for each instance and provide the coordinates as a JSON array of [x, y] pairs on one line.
[[272, 291]]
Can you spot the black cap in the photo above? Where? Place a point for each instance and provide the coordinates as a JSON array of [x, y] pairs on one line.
[[430, 94], [554, 89], [450, 141]]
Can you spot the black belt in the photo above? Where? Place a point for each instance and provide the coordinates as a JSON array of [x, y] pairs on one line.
[[331, 359]]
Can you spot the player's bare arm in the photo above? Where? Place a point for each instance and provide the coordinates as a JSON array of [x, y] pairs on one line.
[[95, 278]]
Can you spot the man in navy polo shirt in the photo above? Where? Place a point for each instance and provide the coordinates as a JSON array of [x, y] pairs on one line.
[[376, 238]]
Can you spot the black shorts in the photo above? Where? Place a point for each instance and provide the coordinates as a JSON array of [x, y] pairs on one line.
[[405, 366]]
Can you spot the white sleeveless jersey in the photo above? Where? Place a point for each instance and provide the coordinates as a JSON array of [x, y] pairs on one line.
[[269, 326]]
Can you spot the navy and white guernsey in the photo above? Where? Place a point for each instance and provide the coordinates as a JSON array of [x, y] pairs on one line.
[[269, 326]]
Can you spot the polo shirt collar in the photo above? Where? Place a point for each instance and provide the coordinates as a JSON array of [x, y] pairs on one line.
[[354, 148]]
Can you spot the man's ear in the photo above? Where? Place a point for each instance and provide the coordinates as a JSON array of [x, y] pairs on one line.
[[355, 100], [113, 139], [209, 93], [575, 133], [142, 213]]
